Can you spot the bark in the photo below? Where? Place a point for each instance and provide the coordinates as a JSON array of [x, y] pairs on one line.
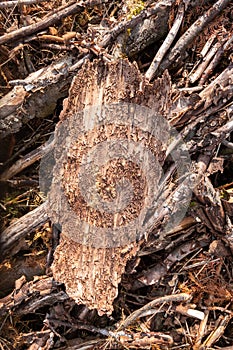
[[92, 274], [34, 97]]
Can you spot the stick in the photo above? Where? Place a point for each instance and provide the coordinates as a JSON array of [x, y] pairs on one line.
[[150, 74], [185, 40], [26, 161], [206, 60], [18, 230], [13, 3], [208, 45], [74, 8], [166, 299], [216, 60]]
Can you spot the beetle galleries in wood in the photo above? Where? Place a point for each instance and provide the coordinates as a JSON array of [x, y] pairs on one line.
[[107, 147], [110, 176]]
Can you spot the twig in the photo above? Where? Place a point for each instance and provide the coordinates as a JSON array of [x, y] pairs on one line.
[[218, 331], [228, 144], [26, 161], [216, 60], [166, 299], [11, 236], [13, 3], [207, 45], [206, 60], [166, 44], [80, 62], [44, 23], [176, 53], [201, 331]]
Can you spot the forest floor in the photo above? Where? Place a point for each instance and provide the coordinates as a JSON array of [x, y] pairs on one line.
[[178, 295]]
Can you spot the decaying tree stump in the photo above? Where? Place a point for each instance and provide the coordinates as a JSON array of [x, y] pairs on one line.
[[92, 256]]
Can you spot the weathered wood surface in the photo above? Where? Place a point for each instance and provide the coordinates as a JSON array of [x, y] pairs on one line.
[[34, 97], [92, 273]]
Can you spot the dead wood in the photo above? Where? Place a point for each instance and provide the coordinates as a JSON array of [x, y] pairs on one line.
[[177, 52], [42, 24], [115, 88], [31, 296], [34, 97], [191, 259], [5, 4], [143, 33], [166, 44], [26, 161], [12, 238], [167, 298]]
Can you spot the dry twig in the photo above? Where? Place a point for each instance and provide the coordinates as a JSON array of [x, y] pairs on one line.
[[26, 161], [166, 299], [6, 4], [150, 74], [185, 40]]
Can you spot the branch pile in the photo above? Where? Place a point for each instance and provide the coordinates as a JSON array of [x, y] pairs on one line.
[[170, 289]]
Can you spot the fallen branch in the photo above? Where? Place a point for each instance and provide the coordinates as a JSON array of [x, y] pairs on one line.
[[111, 35], [150, 74], [166, 299], [6, 4], [26, 161], [35, 96], [185, 40], [12, 236]]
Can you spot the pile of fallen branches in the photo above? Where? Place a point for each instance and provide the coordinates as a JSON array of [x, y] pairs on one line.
[[176, 291]]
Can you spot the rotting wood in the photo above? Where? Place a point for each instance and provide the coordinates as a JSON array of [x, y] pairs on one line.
[[42, 24], [12, 237], [92, 274], [177, 52], [35, 96], [200, 120]]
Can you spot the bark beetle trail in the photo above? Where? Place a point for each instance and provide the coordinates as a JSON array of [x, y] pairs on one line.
[[92, 275]]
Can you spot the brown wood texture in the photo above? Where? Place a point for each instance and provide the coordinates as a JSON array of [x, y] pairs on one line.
[[92, 273]]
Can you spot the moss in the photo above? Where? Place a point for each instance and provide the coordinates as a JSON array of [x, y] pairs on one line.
[[134, 8]]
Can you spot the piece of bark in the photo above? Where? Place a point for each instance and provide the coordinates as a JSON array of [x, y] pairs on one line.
[[149, 31], [31, 296], [92, 272], [142, 31], [12, 238], [34, 97]]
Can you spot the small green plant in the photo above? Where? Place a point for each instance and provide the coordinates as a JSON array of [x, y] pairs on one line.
[[134, 7]]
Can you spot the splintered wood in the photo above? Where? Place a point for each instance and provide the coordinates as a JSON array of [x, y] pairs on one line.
[[91, 265]]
